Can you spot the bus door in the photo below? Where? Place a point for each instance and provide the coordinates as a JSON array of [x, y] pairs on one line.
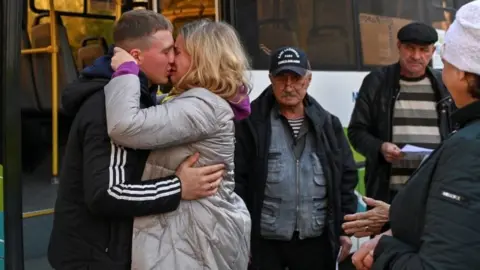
[[11, 256], [47, 43]]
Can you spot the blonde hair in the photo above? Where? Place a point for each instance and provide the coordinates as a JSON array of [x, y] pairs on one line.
[[218, 60]]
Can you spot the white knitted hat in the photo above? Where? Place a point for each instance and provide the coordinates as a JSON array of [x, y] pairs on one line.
[[462, 39]]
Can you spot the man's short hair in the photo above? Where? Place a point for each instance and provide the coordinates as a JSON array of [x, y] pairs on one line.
[[137, 24]]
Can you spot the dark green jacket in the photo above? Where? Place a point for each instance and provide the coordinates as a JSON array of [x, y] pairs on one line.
[[435, 218]]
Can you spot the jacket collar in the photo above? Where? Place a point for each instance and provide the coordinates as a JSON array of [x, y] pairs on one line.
[[263, 104], [435, 77], [467, 114]]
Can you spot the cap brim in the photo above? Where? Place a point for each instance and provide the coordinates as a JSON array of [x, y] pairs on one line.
[[295, 69], [418, 42]]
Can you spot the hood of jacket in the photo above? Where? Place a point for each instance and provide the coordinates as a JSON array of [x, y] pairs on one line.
[[91, 80], [240, 104]]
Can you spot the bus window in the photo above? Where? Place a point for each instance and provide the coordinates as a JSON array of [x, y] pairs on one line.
[[86, 27], [379, 22], [441, 12], [141, 4], [103, 7], [61, 5], [180, 12], [440, 19], [324, 29], [460, 3], [79, 28], [330, 40], [179, 22]]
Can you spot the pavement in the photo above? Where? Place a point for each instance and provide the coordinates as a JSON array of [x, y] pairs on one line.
[[38, 194]]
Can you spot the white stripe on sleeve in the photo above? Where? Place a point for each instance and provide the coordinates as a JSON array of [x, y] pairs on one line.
[[134, 192]]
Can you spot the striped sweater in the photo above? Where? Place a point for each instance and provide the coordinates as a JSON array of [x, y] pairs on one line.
[[415, 122], [295, 124]]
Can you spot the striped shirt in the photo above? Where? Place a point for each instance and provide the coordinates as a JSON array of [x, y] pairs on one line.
[[415, 122], [296, 124]]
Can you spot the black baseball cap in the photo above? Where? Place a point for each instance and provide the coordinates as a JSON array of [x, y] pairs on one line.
[[289, 59]]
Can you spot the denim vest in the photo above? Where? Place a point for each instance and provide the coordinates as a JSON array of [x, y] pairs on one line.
[[295, 191]]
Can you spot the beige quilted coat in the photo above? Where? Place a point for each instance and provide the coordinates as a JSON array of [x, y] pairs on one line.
[[211, 233]]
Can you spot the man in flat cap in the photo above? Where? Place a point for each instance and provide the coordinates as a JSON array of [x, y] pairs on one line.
[[403, 103], [295, 171]]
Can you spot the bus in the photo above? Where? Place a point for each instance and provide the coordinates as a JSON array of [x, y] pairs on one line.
[[49, 41]]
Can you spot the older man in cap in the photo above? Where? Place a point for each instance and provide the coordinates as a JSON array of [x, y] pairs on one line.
[[295, 171], [403, 103]]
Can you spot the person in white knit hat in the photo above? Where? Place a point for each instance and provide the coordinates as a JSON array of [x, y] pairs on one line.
[[461, 55], [434, 219]]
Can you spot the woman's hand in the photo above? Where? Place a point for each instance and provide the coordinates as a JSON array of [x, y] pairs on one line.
[[346, 244], [362, 259], [121, 56], [369, 222], [368, 261]]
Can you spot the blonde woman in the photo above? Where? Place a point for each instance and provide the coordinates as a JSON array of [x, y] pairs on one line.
[[209, 94]]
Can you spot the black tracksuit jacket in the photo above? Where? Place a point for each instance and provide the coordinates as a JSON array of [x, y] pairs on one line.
[[100, 190]]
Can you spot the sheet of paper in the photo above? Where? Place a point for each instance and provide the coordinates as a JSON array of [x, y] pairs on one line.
[[338, 258], [416, 150]]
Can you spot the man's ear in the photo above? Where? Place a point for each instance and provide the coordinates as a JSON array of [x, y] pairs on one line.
[[309, 79], [137, 54]]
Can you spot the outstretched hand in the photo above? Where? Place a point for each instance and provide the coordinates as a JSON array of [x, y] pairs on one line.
[[367, 223]]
